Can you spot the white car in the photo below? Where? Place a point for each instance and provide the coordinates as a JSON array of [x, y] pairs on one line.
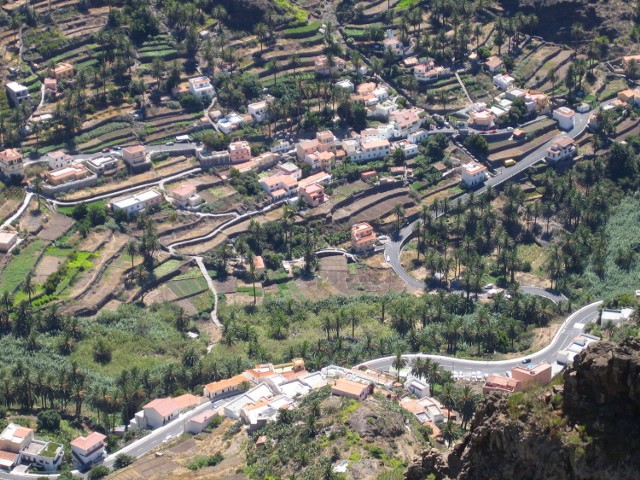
[[167, 438], [489, 286]]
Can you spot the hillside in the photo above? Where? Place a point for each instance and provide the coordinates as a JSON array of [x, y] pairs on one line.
[[586, 429]]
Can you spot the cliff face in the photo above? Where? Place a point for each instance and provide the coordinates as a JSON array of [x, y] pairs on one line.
[[590, 429]]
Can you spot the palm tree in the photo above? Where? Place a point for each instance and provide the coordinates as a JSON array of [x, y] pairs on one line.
[[468, 404], [131, 249], [272, 66], [262, 32], [399, 362], [28, 286], [450, 432], [398, 211]]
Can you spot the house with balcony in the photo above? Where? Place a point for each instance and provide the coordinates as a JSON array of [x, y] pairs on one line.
[[498, 383], [290, 168], [405, 121], [156, 413], [259, 111], [428, 72], [136, 158], [43, 455], [363, 237], [58, 159], [481, 118], [279, 186], [201, 87], [504, 81], [11, 163], [18, 94], [63, 71], [185, 196], [392, 43], [493, 64], [208, 158], [562, 148], [88, 450], [473, 174], [239, 152], [313, 195]]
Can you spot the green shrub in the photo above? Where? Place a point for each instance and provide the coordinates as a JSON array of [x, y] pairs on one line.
[[202, 461], [123, 460], [49, 420], [97, 472]]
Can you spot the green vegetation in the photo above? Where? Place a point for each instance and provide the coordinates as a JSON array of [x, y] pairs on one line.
[[202, 461], [21, 264]]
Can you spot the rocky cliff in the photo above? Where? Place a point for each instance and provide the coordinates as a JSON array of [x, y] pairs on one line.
[[587, 429]]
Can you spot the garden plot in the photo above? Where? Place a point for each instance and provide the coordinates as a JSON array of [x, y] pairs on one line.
[[48, 265], [334, 271], [560, 64], [187, 287], [526, 68], [202, 227], [10, 199], [20, 265], [56, 227]]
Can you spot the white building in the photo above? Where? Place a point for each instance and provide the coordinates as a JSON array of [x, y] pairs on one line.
[[102, 165], [565, 117], [504, 81], [44, 455], [58, 159], [138, 202], [367, 149], [561, 149], [186, 196], [346, 85], [159, 412], [428, 72], [405, 121], [225, 387], [17, 93], [252, 396], [201, 87], [290, 168], [11, 164], [136, 157], [494, 64], [418, 387], [410, 149], [88, 450], [259, 110], [418, 136], [230, 123], [473, 174], [615, 316], [7, 240]]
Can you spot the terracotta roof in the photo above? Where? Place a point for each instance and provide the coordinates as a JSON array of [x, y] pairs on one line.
[[234, 381], [7, 458], [86, 443], [347, 386], [22, 432], [164, 406], [184, 190], [187, 400], [258, 262]]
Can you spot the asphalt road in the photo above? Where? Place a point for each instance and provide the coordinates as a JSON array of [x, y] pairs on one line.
[[571, 328]]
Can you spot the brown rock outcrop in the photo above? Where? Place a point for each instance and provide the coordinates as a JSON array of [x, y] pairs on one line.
[[527, 436]]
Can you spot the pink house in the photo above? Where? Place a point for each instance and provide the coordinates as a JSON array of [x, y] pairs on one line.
[[239, 152]]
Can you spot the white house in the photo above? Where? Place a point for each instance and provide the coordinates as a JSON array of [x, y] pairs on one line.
[[504, 81], [138, 202], [279, 186], [410, 149], [615, 316], [44, 455], [392, 43], [251, 396], [565, 117], [88, 450], [7, 240], [418, 136], [186, 196], [201, 87], [58, 159], [560, 149], [229, 123], [259, 110], [17, 93], [102, 165], [290, 168], [160, 411], [405, 121], [494, 64], [346, 85], [367, 149], [428, 72], [473, 174], [418, 387]]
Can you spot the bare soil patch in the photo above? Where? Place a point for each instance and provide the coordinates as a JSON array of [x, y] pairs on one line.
[[334, 271], [48, 265], [56, 227]]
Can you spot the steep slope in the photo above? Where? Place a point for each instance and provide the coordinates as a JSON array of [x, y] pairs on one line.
[[587, 430]]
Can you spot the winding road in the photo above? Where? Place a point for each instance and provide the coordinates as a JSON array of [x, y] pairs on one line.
[[572, 327]]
